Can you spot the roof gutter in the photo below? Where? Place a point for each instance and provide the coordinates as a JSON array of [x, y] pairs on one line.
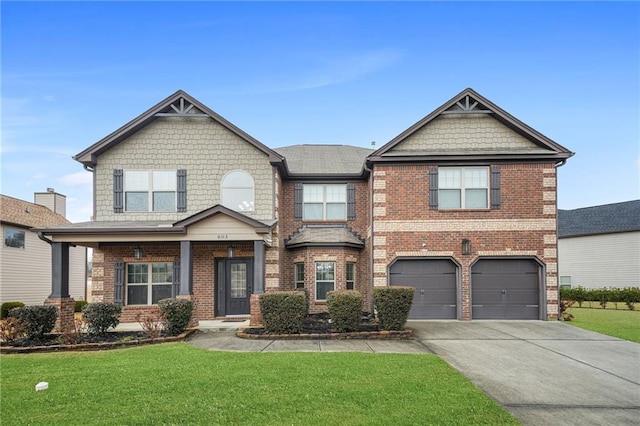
[[43, 238]]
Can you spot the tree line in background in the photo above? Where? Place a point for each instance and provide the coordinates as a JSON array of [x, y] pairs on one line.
[[605, 296]]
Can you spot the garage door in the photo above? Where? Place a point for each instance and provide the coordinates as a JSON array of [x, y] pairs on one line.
[[435, 287], [505, 289]]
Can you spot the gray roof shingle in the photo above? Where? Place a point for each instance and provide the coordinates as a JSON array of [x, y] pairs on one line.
[[324, 159], [605, 219], [324, 235]]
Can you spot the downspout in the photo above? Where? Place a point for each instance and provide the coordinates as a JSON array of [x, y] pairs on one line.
[[557, 165], [372, 305], [45, 239], [92, 170]]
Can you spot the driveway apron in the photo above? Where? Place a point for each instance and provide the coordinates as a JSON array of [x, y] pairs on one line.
[[543, 372]]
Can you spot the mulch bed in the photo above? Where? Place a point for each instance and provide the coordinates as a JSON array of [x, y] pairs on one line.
[[317, 326], [86, 342]]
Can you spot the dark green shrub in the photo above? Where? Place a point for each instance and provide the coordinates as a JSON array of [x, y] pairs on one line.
[[283, 311], [101, 316], [602, 295], [37, 320], [630, 296], [345, 309], [7, 306], [80, 304], [393, 305], [176, 314], [307, 297]]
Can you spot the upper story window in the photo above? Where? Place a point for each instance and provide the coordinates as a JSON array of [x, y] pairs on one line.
[[150, 190], [238, 191], [463, 187], [325, 202], [13, 238]]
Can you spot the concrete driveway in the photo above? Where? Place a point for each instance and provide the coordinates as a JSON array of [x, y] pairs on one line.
[[543, 372]]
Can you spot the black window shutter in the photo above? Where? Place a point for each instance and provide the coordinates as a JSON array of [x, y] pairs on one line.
[[433, 188], [351, 201], [118, 184], [182, 190], [495, 187], [297, 201], [118, 284], [176, 279]]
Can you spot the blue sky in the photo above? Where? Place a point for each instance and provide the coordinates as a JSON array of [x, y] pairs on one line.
[[326, 72]]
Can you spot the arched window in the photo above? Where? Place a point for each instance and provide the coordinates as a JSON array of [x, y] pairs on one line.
[[238, 191]]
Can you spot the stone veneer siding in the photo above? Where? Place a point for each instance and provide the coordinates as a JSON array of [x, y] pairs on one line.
[[206, 149], [524, 226]]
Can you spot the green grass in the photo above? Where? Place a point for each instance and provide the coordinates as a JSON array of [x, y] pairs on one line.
[[621, 324], [179, 384]]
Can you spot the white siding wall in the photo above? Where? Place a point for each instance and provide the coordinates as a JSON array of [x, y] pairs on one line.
[[25, 274], [611, 260]]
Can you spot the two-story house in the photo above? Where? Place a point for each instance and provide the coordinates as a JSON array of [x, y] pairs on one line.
[[462, 206]]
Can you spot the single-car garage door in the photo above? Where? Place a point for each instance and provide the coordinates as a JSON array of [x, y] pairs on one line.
[[435, 286], [505, 289]]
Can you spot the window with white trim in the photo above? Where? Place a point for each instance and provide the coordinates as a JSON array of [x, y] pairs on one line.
[[324, 202], [146, 190], [565, 281], [14, 238], [299, 275], [350, 276], [463, 187], [238, 191], [325, 279], [148, 283]]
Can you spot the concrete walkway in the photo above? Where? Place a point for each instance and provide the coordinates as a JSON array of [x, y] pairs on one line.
[[543, 372]]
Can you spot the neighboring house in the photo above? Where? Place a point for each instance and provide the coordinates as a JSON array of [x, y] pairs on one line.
[[25, 260], [462, 206], [599, 246]]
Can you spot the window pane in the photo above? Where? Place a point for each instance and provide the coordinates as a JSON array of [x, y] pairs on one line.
[[13, 238], [137, 201], [325, 271], [336, 193], [449, 199], [238, 179], [137, 294], [164, 180], [448, 178], [162, 273], [238, 199], [239, 280], [322, 288], [313, 193], [136, 181], [164, 201], [475, 178], [137, 273], [299, 271], [475, 199], [159, 292], [336, 211], [312, 211], [351, 269]]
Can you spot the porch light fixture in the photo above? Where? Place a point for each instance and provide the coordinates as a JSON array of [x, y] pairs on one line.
[[138, 253], [466, 246], [230, 252]]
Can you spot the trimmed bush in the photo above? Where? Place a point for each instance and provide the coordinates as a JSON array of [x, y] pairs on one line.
[[630, 296], [101, 316], [393, 305], [283, 311], [7, 306], [37, 320], [80, 304], [307, 297], [345, 309], [176, 314]]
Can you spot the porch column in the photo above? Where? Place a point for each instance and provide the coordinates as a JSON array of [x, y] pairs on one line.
[[59, 271], [258, 267], [186, 269]]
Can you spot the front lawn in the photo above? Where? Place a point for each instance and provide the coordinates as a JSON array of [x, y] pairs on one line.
[[178, 384], [621, 324]]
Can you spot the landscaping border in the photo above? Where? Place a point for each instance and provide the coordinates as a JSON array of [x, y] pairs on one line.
[[406, 334]]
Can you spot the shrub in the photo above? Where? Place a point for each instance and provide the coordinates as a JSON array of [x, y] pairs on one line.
[[283, 311], [176, 313], [630, 296], [37, 320], [151, 323], [345, 309], [101, 316], [393, 305], [565, 304], [80, 304], [10, 329], [602, 295], [7, 306], [307, 297]]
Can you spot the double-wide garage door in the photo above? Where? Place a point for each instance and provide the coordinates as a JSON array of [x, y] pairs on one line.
[[435, 286], [500, 288]]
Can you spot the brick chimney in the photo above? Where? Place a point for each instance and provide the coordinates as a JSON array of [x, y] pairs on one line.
[[52, 200]]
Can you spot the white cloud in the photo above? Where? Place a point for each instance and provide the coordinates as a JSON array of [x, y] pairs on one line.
[[78, 178]]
